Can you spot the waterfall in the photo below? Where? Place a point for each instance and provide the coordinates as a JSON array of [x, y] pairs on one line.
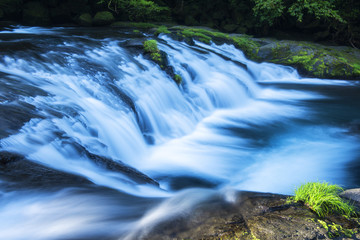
[[231, 124]]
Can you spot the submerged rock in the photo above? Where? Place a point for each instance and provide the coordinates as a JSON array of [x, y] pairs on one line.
[[18, 172]]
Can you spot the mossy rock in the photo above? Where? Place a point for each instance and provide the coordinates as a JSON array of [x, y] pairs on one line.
[[85, 19], [103, 18], [310, 59], [35, 13], [313, 60]]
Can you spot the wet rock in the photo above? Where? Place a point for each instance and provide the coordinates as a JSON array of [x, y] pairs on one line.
[[352, 194], [120, 167], [103, 18], [115, 166], [13, 117], [252, 215], [35, 13], [18, 172], [134, 43]]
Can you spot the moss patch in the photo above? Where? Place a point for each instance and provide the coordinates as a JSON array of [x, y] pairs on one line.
[[150, 46], [247, 45], [162, 29], [336, 230], [178, 79]]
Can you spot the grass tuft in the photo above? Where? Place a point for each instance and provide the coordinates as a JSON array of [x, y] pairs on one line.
[[323, 198]]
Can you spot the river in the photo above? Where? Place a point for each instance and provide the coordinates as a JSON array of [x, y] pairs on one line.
[[97, 122]]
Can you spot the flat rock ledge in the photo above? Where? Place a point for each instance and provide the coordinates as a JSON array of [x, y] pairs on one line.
[[252, 215]]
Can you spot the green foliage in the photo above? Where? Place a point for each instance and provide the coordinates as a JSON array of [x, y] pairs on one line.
[[320, 9], [270, 10], [150, 46], [323, 199], [139, 10], [248, 46], [162, 29]]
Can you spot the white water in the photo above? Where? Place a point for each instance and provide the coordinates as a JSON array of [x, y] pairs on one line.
[[221, 125]]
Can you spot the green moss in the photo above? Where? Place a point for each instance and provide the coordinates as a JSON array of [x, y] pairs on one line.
[[178, 79], [248, 46], [136, 31], [323, 224], [162, 29], [336, 230], [150, 46], [197, 35]]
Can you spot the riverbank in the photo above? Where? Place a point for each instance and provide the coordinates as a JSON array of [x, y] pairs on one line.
[[253, 215]]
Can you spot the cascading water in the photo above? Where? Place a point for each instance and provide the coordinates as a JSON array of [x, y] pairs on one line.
[[80, 102]]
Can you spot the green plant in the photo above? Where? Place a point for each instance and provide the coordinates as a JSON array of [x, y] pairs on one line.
[[270, 10], [193, 33], [323, 199], [150, 46], [139, 10], [162, 29], [178, 79]]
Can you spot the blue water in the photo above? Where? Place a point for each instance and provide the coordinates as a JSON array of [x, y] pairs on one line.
[[64, 91]]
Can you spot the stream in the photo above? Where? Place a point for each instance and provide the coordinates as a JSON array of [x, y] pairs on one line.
[[103, 144]]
